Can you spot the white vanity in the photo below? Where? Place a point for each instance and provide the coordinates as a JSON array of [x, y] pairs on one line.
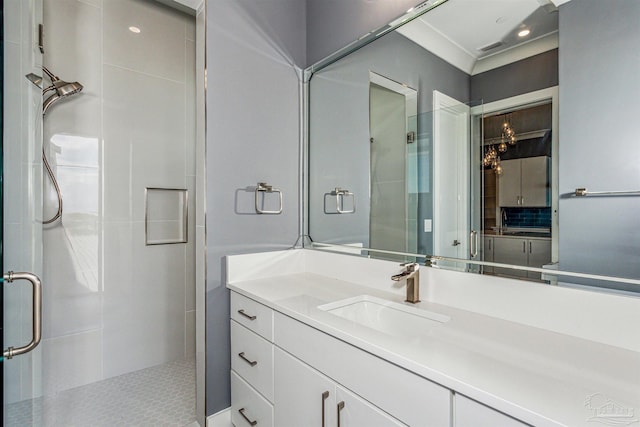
[[322, 339]]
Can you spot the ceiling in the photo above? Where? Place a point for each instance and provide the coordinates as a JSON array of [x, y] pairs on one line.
[[477, 35]]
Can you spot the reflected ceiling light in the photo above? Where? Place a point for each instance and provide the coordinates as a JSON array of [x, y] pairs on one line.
[[410, 10], [524, 33], [135, 30]]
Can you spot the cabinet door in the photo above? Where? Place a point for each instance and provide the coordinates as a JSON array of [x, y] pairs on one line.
[[510, 251], [509, 183], [539, 255], [352, 411], [535, 182], [301, 394], [468, 413]]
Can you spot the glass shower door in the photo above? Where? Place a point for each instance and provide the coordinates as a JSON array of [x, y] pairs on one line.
[[21, 235], [476, 211]]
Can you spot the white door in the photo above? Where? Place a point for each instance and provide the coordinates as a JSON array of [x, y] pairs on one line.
[[451, 210], [21, 235], [302, 396]]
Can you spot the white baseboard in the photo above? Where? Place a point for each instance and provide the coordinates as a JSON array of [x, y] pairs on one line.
[[220, 419]]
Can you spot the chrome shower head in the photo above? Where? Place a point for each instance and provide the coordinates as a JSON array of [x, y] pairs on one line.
[[62, 89], [67, 88]]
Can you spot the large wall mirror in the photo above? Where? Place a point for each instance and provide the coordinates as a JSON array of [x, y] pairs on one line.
[[500, 132]]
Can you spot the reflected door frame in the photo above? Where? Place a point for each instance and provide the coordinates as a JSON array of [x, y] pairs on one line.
[[526, 100]]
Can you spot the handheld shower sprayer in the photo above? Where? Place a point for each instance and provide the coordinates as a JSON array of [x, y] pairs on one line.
[[61, 89]]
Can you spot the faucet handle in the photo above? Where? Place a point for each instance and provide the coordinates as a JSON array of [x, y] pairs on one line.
[[411, 266], [410, 269]]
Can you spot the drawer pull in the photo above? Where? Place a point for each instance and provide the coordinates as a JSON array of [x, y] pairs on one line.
[[325, 395], [242, 313], [250, 362], [253, 423], [340, 407]]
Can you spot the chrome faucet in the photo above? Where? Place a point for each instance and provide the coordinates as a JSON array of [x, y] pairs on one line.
[[411, 273]]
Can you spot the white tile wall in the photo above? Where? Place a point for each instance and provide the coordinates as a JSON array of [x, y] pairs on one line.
[[159, 48], [132, 127]]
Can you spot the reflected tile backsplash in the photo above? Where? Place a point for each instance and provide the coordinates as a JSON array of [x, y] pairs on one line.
[[527, 217]]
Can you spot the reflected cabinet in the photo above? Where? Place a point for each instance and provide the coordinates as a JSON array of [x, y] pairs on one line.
[[525, 183]]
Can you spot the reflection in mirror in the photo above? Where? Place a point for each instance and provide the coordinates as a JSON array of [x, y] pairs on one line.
[[503, 138], [393, 165]]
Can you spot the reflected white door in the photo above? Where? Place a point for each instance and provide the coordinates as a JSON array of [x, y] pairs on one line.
[[450, 177], [22, 210]]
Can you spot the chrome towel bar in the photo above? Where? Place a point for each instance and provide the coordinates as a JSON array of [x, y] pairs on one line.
[[581, 192]]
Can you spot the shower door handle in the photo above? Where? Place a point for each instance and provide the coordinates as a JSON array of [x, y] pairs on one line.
[[36, 284], [473, 244]]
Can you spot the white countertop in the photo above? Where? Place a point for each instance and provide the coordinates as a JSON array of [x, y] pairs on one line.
[[535, 375]]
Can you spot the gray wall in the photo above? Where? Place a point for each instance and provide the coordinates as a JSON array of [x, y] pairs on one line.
[[530, 74], [339, 130], [252, 135], [599, 146], [333, 24]]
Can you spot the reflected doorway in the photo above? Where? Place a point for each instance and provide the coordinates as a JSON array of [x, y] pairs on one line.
[[517, 169]]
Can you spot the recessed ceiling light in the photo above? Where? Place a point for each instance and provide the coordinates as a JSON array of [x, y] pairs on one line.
[[524, 33], [135, 30], [410, 10]]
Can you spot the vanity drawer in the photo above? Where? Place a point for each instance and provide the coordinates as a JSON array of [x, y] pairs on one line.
[[252, 359], [412, 399], [253, 315], [247, 405]]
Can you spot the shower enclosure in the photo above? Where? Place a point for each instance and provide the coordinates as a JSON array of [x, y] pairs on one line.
[[118, 263]]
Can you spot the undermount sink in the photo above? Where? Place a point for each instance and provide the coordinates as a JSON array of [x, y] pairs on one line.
[[385, 316]]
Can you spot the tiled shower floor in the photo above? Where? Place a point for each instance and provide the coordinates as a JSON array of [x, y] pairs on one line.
[[163, 395]]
